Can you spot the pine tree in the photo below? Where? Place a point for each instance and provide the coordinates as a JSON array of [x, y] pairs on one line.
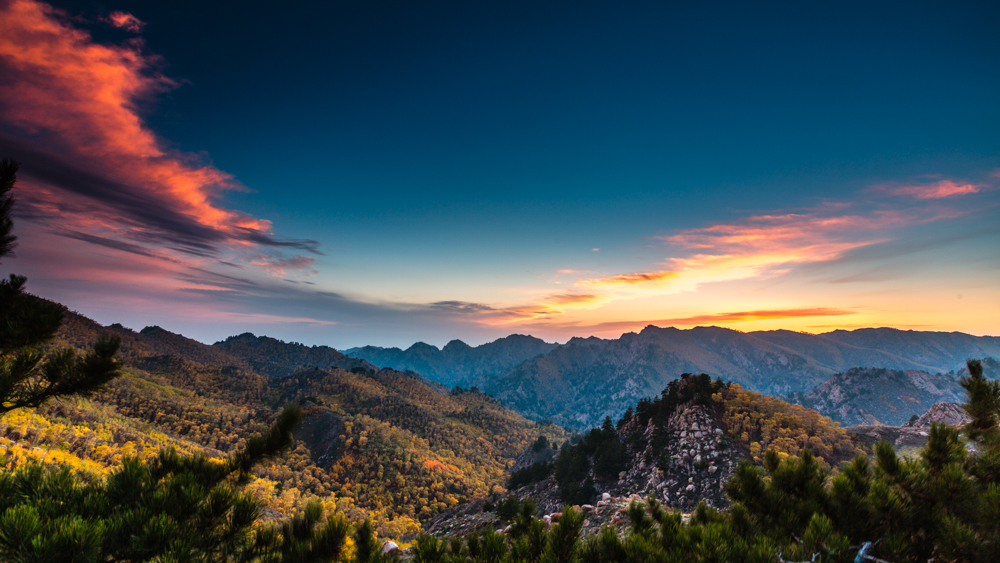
[[28, 376]]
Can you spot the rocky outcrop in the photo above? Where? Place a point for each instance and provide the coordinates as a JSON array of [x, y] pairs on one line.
[[910, 435], [951, 414], [320, 431], [696, 462], [692, 464]]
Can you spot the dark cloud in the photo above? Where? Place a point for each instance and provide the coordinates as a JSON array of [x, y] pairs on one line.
[[151, 218], [459, 307], [112, 243]]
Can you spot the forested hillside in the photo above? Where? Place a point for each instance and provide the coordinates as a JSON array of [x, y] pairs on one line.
[[384, 444], [273, 357]]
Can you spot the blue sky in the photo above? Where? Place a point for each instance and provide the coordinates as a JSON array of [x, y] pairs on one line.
[[468, 170]]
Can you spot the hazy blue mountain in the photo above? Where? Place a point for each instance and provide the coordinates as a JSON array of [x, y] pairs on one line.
[[881, 396], [581, 382], [456, 363], [887, 396]]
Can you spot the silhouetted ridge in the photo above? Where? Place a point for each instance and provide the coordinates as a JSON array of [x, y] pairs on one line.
[[273, 357]]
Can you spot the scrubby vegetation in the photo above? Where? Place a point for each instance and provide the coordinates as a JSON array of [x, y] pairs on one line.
[[763, 423]]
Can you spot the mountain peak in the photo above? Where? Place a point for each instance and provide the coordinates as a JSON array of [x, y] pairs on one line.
[[422, 347], [456, 345]]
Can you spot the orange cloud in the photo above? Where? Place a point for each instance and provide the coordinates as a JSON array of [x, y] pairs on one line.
[[744, 316], [89, 162], [764, 245], [545, 308], [126, 21], [631, 279], [571, 298], [707, 319]]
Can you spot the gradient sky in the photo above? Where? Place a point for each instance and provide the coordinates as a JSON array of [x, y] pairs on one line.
[[381, 173]]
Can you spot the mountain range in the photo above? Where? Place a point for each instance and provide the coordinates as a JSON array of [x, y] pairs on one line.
[[578, 383], [885, 396], [457, 362]]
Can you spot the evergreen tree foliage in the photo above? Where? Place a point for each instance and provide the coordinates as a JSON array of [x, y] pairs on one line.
[[29, 376], [173, 508], [8, 177]]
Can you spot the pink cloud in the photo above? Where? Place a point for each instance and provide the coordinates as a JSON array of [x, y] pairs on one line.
[[937, 190], [126, 21]]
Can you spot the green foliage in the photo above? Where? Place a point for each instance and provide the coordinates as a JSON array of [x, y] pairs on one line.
[[687, 388], [508, 508], [600, 450], [983, 405], [531, 474], [542, 443]]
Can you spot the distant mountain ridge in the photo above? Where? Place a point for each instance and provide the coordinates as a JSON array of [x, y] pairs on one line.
[[457, 362], [881, 396], [276, 358], [579, 383], [869, 396]]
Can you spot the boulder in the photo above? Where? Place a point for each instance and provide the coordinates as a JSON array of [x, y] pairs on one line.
[[390, 547]]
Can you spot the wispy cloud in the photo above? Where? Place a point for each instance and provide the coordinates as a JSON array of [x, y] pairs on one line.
[[743, 316], [935, 190], [576, 327], [650, 278], [279, 266], [765, 245]]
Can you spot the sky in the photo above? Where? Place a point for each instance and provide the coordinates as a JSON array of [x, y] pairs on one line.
[[383, 173]]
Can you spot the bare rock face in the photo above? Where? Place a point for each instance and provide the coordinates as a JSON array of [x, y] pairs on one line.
[[695, 464], [951, 414]]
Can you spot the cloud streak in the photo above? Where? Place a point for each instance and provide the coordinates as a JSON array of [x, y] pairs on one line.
[[936, 190], [765, 245], [694, 320]]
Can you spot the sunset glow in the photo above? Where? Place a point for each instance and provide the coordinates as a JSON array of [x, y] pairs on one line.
[[486, 213]]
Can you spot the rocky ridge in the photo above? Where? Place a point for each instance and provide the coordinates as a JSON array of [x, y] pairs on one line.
[[910, 435], [698, 459]]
